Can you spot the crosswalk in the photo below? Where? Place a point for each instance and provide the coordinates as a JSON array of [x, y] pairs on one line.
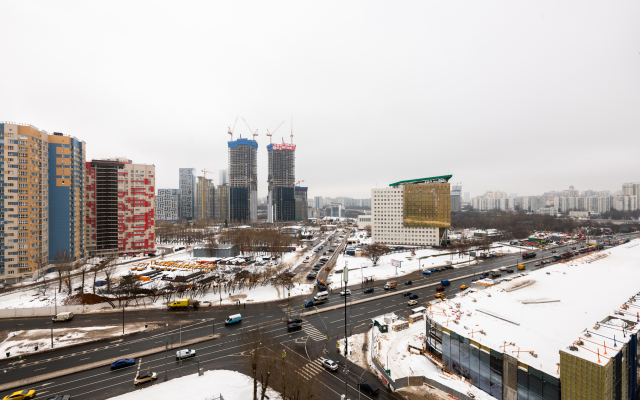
[[313, 332], [311, 369]]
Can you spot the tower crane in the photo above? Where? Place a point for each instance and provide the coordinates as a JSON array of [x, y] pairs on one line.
[[299, 182], [230, 130], [253, 133], [271, 133]]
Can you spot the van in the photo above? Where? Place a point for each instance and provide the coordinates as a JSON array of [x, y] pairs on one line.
[[390, 285], [62, 317], [521, 266], [321, 296], [233, 319]]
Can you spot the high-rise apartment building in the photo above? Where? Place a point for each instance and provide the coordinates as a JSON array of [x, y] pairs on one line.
[[223, 177], [301, 203], [205, 198], [456, 198], [222, 203], [625, 203], [466, 197], [281, 203], [243, 180], [319, 202], [631, 189], [413, 212], [187, 185], [167, 202], [120, 207], [43, 200], [66, 197]]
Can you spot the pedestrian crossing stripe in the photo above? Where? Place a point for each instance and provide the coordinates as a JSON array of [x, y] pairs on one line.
[[311, 369], [313, 332]]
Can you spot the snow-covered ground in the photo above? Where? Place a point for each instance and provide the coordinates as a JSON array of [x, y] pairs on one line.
[[24, 342], [231, 385], [362, 267]]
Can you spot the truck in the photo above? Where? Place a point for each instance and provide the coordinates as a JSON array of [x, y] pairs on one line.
[[528, 255], [495, 273], [390, 285], [445, 283], [321, 286], [62, 317], [521, 267], [183, 304]]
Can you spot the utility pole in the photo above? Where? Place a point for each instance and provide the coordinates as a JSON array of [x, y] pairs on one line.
[[346, 345], [51, 332], [180, 351], [166, 345], [123, 320]]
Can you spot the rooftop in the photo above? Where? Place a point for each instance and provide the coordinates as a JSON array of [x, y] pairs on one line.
[[548, 310], [433, 178]]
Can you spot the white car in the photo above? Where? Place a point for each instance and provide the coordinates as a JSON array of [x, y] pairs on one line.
[[329, 364], [412, 303], [186, 353], [305, 261], [345, 292]]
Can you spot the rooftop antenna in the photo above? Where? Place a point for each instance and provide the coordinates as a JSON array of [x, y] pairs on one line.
[[230, 130]]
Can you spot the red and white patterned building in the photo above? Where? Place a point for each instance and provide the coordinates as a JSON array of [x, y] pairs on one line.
[[120, 207]]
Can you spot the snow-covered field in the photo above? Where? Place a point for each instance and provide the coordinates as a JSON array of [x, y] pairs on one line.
[[231, 385], [362, 267], [24, 342]]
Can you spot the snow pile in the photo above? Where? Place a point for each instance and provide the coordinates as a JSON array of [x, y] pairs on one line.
[[231, 385]]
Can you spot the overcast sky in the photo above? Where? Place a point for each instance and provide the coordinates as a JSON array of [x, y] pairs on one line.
[[515, 96]]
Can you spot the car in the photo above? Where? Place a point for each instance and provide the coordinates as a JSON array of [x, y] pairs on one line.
[[510, 271], [307, 258], [317, 268], [576, 253], [329, 364], [573, 248], [439, 296], [294, 320], [537, 263], [464, 287], [426, 272], [482, 276], [368, 387], [146, 377], [406, 293], [185, 353], [330, 250], [553, 251], [122, 363], [502, 268], [411, 303], [22, 394], [294, 327], [408, 283], [59, 397], [305, 261], [368, 290], [448, 267], [413, 296], [308, 303], [345, 292], [324, 254]]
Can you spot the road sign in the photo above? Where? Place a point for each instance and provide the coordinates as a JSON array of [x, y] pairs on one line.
[[395, 263]]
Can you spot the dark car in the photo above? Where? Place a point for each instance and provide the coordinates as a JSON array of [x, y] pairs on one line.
[[573, 248], [408, 283], [294, 327], [510, 271], [413, 296], [368, 387], [440, 289], [59, 397], [368, 290], [405, 293], [312, 275], [122, 363], [294, 320], [448, 267], [330, 250], [440, 269], [324, 254], [316, 268], [553, 251]]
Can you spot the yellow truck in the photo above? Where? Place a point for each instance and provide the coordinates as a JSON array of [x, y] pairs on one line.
[[390, 285], [521, 266], [180, 303]]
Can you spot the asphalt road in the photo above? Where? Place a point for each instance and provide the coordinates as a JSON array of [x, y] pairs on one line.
[[224, 352]]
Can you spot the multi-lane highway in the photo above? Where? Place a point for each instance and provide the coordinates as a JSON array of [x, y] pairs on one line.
[[224, 351]]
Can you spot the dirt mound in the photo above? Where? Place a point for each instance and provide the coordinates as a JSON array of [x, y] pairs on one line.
[[86, 298]]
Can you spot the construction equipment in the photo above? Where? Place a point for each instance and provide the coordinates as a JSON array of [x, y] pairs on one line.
[[271, 133], [299, 182], [230, 130]]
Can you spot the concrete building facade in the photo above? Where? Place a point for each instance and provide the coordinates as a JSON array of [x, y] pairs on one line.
[[187, 186], [120, 207], [167, 201], [281, 203], [205, 198], [243, 180], [301, 203]]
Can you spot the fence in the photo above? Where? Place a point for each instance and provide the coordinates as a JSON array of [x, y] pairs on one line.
[[48, 311]]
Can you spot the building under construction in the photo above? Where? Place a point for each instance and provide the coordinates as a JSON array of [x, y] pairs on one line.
[[281, 203], [243, 180]]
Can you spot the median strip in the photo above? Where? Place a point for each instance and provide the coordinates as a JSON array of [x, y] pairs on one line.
[[96, 364]]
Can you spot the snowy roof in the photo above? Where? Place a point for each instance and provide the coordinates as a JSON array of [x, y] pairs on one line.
[[549, 309]]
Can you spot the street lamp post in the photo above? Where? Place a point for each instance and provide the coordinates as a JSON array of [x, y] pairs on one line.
[[359, 382], [346, 343], [166, 345]]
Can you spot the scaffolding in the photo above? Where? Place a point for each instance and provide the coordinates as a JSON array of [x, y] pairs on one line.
[[243, 180], [281, 182]]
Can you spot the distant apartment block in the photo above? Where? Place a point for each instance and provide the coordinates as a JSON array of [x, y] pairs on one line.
[[301, 203], [120, 207], [205, 198], [167, 202], [223, 177], [187, 186]]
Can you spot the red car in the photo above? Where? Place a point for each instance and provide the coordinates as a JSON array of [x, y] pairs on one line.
[[440, 288]]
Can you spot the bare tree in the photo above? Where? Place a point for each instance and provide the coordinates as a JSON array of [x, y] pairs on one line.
[[109, 270], [154, 290], [368, 230], [62, 262], [211, 244], [377, 250], [83, 268], [261, 357]]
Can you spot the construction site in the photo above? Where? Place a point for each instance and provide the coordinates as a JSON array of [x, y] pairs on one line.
[[565, 331]]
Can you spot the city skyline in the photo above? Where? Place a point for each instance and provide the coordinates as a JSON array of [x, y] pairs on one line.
[[543, 90]]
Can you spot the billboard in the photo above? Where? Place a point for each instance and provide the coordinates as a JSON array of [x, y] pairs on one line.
[[427, 205], [283, 146]]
